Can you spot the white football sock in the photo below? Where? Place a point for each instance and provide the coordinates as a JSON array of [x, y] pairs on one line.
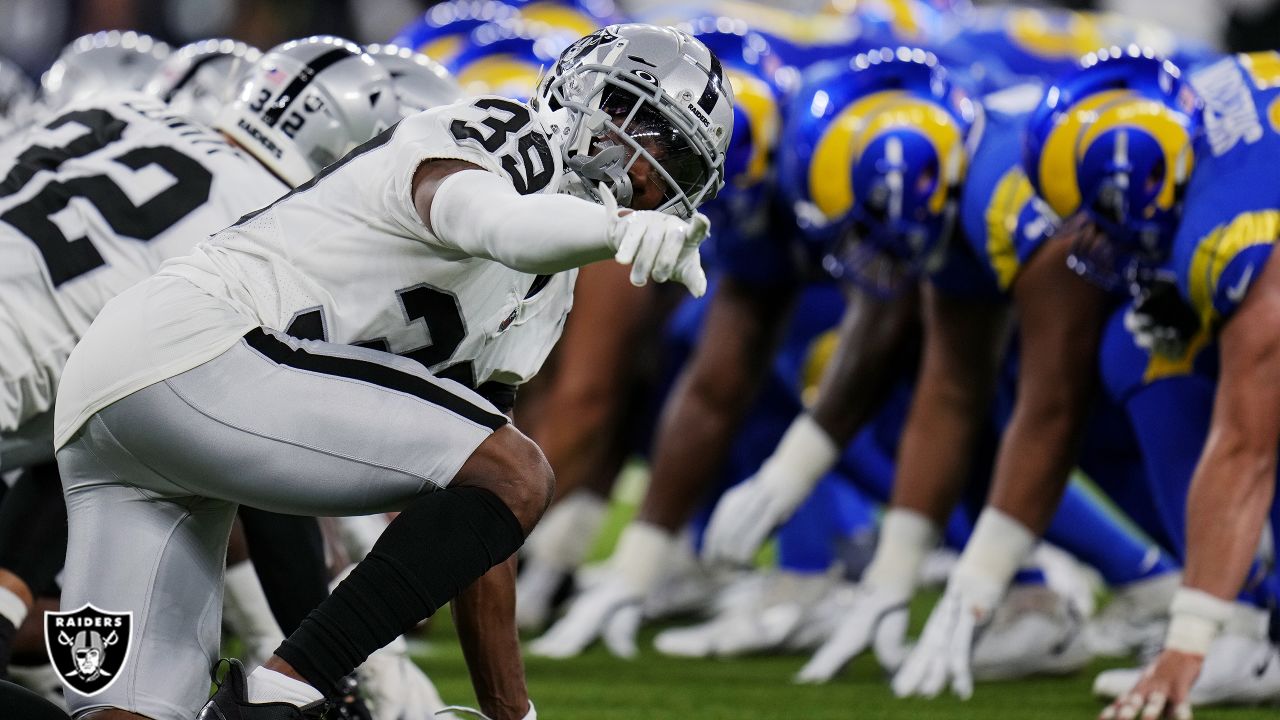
[[12, 608], [246, 610], [266, 686]]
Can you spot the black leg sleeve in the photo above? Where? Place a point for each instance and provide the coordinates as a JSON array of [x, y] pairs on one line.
[[33, 528], [438, 546], [288, 555]]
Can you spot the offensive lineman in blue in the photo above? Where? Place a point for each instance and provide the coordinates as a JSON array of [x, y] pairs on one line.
[[1212, 245], [887, 154]]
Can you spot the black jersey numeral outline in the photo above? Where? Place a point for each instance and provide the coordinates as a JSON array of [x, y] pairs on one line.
[[438, 308], [531, 166], [69, 258]]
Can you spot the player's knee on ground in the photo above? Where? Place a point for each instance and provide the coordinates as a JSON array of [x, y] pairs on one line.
[[512, 467]]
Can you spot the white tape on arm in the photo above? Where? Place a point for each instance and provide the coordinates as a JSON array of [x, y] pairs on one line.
[[906, 537], [996, 549], [805, 453], [1196, 618], [642, 554]]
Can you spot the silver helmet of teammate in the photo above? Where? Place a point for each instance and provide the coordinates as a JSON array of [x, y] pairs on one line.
[[420, 82], [17, 97], [642, 94], [308, 102], [198, 79], [109, 61]]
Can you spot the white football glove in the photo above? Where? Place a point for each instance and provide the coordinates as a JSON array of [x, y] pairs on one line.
[[658, 246], [608, 610], [945, 650], [743, 520], [877, 617], [395, 688], [748, 513]]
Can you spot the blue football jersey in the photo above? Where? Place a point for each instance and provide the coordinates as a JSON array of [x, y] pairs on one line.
[[1231, 215]]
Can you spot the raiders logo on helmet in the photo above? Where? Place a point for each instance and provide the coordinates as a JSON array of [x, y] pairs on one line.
[[88, 646]]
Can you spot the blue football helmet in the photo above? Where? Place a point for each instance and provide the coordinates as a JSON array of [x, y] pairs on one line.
[[578, 17], [441, 32], [1115, 140], [507, 58], [873, 155]]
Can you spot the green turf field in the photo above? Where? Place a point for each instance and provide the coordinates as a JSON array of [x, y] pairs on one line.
[[598, 686]]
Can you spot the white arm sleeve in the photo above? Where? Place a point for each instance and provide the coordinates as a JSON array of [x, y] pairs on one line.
[[481, 214]]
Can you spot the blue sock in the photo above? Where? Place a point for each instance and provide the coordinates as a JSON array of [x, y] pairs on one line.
[[1082, 527]]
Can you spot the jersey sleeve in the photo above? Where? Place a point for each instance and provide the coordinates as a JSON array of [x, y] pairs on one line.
[[1217, 269], [498, 135]]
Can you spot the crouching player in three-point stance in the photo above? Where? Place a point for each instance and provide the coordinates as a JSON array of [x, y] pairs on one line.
[[450, 239]]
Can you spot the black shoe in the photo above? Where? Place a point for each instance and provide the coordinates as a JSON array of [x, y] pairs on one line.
[[231, 702], [349, 703]]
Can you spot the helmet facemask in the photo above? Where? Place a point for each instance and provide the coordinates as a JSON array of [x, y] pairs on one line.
[[624, 128]]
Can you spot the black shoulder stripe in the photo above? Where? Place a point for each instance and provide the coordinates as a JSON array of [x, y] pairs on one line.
[[374, 143], [300, 83]]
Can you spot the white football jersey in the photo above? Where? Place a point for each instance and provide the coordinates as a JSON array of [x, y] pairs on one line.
[[346, 258], [94, 199]]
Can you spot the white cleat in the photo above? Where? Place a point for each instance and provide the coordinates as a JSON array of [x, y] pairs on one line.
[[776, 612], [1135, 619], [1035, 631], [1242, 667]]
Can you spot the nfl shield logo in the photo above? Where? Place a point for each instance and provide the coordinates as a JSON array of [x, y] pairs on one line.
[[88, 646]]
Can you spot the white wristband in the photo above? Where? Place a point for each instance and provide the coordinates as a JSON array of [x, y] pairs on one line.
[[996, 549], [1196, 618], [906, 537], [642, 555], [805, 453]]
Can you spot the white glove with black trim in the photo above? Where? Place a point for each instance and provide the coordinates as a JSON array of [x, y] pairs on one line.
[[658, 246]]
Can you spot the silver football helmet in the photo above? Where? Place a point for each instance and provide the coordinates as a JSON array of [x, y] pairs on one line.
[[198, 79], [420, 82], [308, 102], [17, 98], [109, 61], [642, 94]]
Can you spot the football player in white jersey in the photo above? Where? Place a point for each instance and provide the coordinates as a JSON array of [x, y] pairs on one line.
[[93, 200], [450, 239]]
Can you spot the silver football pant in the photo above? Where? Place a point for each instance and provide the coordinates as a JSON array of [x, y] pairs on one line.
[[301, 427]]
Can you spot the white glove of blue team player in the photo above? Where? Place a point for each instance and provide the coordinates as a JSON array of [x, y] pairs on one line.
[[878, 617], [747, 514], [395, 688], [658, 246], [945, 650], [459, 712], [608, 610]]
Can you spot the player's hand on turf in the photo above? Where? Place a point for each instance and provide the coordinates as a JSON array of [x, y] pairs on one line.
[[608, 611], [658, 246], [945, 650], [1163, 692], [743, 520], [877, 619]]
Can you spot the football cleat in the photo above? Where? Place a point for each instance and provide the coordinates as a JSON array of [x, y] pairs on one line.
[[780, 612], [1035, 631], [1135, 619], [1242, 667], [231, 701]]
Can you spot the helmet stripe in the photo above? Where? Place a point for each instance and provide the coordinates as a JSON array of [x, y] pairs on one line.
[[713, 90], [191, 73], [300, 82]]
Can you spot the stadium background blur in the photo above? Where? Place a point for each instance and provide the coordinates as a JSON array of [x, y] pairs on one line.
[[33, 31]]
